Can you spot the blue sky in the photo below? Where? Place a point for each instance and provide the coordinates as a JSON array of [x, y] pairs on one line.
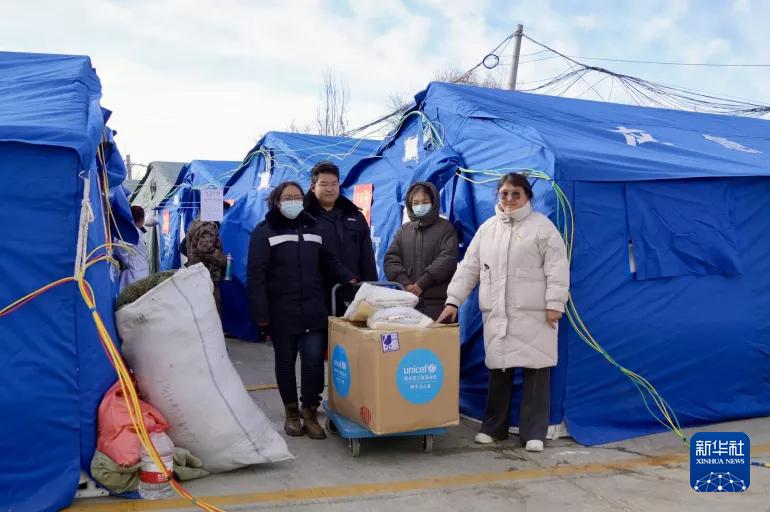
[[203, 79]]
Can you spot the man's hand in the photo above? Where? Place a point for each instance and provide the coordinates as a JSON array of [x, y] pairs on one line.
[[553, 317], [449, 312], [413, 288]]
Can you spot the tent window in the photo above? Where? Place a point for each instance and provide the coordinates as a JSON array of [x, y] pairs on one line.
[[680, 228]]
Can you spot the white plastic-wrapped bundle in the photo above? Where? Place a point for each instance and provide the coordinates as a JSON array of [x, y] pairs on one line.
[[371, 298], [398, 318]]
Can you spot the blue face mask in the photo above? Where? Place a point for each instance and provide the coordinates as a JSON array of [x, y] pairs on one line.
[[421, 210], [291, 209]]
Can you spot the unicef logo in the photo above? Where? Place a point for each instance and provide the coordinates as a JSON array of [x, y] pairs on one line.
[[340, 371], [419, 376]]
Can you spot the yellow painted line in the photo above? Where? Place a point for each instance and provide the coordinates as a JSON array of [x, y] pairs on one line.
[[261, 387], [422, 484]]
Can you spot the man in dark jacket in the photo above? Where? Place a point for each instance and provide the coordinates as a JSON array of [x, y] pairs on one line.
[[286, 267], [423, 254], [343, 228]]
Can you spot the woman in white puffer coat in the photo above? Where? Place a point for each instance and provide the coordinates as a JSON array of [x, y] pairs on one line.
[[520, 262]]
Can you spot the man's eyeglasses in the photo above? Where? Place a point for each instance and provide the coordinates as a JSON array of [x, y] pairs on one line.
[[513, 196]]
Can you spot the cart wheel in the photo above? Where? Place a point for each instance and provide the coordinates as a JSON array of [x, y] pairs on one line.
[[331, 427], [355, 447], [427, 443]]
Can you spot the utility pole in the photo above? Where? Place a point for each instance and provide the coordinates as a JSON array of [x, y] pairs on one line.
[[128, 167], [516, 51]]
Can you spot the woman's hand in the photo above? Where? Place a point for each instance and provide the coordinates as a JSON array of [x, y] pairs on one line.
[[414, 289], [553, 317], [449, 312]]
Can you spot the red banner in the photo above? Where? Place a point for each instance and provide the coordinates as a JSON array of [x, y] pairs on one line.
[[362, 197], [166, 222]]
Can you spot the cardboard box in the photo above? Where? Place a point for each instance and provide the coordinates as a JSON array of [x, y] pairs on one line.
[[394, 381]]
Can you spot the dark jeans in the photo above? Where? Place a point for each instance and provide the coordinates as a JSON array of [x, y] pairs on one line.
[[535, 404], [311, 347]]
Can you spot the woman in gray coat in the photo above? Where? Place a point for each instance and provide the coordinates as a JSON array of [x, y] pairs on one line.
[[423, 255]]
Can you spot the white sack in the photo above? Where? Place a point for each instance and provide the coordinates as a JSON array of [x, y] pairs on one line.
[[173, 340]]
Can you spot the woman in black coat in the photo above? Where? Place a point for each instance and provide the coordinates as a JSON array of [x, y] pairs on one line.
[[286, 269]]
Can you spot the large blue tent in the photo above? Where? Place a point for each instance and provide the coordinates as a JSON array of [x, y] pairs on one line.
[[669, 272], [182, 204], [277, 157], [53, 370]]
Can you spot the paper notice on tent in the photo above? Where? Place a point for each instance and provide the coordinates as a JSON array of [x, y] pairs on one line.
[[362, 197], [394, 382], [211, 204], [410, 149]]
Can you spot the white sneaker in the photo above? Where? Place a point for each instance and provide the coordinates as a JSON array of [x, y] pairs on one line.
[[534, 445], [483, 438]]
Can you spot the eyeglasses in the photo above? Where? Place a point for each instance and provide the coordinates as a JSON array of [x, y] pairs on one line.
[[291, 198], [515, 195]]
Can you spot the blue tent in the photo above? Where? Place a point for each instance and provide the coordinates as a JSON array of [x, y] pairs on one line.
[[277, 157], [182, 204], [53, 371], [156, 183], [669, 271]]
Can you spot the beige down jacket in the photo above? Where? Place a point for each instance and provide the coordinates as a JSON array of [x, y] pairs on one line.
[[520, 261]]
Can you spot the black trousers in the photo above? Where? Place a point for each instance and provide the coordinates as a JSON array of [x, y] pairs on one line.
[[535, 404], [310, 347]]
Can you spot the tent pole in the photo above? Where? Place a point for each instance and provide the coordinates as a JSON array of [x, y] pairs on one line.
[[516, 51]]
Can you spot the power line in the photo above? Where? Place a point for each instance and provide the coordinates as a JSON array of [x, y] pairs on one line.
[[667, 63], [645, 92], [403, 108]]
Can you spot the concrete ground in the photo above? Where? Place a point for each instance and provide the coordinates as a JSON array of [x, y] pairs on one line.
[[644, 474]]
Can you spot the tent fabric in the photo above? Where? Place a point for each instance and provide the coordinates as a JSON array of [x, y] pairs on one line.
[[51, 100], [596, 141], [181, 205], [667, 271], [291, 157], [277, 157], [682, 228], [156, 183], [53, 371]]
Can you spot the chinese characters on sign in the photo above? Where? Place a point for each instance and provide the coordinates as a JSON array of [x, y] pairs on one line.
[[362, 197]]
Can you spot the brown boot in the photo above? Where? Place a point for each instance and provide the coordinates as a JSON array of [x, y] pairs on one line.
[[293, 427], [312, 427]]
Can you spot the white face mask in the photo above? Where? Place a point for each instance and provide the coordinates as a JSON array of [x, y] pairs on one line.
[[291, 209], [421, 210]]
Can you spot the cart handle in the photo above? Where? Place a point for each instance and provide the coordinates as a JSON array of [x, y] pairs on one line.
[[392, 284]]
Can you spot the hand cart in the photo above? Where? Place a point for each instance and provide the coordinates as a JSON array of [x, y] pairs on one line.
[[352, 431]]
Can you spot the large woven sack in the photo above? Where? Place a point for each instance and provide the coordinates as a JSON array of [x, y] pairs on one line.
[[173, 340]]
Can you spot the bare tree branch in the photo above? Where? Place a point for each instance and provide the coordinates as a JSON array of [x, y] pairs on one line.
[[333, 107]]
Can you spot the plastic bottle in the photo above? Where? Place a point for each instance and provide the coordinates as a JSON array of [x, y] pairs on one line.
[[153, 484], [228, 268]]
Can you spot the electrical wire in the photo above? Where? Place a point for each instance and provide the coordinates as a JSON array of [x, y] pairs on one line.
[[647, 93]]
